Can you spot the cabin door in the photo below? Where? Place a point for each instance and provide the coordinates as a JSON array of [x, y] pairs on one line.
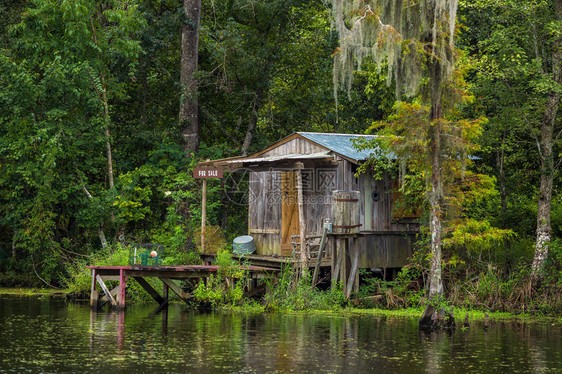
[[289, 211]]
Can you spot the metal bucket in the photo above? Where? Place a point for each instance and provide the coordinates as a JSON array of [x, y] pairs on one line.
[[244, 245]]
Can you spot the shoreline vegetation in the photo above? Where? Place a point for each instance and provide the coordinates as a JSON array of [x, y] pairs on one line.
[[477, 316], [293, 294]]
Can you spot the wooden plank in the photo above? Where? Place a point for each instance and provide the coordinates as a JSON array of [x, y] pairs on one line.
[[148, 288], [368, 201], [320, 255], [94, 294], [354, 269], [106, 291], [109, 277], [251, 192], [344, 263], [114, 292], [200, 273], [339, 254], [104, 299], [264, 231], [175, 288]]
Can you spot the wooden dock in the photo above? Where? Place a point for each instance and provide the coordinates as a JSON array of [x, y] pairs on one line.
[[167, 274]]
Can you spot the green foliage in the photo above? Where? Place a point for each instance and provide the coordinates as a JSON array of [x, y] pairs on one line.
[[294, 292], [403, 292], [511, 44], [224, 288]]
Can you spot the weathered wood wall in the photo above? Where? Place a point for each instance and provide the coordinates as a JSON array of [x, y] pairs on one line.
[[295, 146], [384, 241], [389, 250]]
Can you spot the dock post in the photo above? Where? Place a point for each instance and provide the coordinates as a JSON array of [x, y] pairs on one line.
[[352, 282], [339, 250], [94, 294], [122, 285]]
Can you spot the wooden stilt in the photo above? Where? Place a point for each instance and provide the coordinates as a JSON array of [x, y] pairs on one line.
[[354, 270], [344, 271], [94, 294], [339, 252], [106, 291], [122, 286], [333, 258]]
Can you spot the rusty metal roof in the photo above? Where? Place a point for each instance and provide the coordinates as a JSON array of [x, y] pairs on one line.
[[342, 144]]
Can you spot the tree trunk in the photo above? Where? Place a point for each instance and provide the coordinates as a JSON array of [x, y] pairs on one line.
[[547, 159], [101, 234], [500, 161], [189, 111], [107, 119], [253, 121], [109, 157], [435, 213], [14, 246]]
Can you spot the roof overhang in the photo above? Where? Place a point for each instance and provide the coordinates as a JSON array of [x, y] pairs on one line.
[[281, 160]]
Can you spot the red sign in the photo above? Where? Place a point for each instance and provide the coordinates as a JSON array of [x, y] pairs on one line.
[[207, 172]]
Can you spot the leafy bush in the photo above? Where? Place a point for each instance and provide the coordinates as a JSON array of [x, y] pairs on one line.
[[403, 292], [224, 288], [293, 291]]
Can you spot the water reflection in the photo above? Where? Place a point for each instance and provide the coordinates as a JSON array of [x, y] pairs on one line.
[[44, 335]]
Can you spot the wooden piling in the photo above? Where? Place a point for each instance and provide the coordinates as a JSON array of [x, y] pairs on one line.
[[122, 286], [351, 282], [94, 294]]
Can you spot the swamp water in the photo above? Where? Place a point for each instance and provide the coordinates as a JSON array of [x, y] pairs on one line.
[[48, 335]]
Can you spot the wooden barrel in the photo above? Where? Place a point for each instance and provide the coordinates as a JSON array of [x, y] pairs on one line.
[[345, 212]]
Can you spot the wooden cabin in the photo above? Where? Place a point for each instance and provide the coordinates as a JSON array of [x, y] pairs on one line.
[[290, 195]]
